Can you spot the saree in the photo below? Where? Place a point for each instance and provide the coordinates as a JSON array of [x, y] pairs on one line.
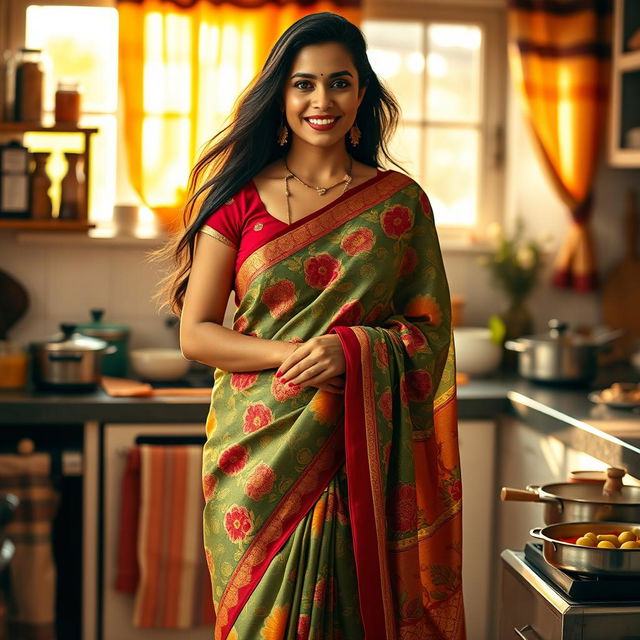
[[338, 516]]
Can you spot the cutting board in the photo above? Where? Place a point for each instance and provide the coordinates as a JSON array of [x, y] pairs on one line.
[[124, 388], [621, 289]]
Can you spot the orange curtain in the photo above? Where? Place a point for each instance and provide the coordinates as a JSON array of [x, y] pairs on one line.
[[559, 54], [182, 64]]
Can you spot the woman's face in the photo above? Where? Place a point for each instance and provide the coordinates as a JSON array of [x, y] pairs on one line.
[[322, 94]]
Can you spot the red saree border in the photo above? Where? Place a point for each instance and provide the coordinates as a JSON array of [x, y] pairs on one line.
[[276, 531], [366, 508], [311, 230]]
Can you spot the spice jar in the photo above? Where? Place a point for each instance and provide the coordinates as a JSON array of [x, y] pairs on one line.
[[29, 80], [67, 102], [72, 188], [39, 200]]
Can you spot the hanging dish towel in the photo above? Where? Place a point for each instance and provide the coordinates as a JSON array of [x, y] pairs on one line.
[[31, 610]]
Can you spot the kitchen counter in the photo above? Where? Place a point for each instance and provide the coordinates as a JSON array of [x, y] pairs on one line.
[[565, 413]]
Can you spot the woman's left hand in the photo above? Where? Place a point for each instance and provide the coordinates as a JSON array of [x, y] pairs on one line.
[[314, 362]]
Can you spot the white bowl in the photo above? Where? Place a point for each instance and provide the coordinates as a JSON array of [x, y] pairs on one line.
[[159, 363], [476, 354]]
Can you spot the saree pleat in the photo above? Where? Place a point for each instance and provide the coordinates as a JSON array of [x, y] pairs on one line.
[[335, 516]]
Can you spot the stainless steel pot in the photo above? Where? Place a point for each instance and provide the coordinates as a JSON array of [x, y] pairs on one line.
[[581, 501], [71, 361], [560, 355], [587, 560]]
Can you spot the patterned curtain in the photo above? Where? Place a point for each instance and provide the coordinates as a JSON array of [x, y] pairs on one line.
[[559, 54], [182, 65]]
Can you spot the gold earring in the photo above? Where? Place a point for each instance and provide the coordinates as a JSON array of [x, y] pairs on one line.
[[283, 134], [354, 135]]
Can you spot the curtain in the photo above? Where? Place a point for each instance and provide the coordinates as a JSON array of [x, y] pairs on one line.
[[182, 64], [559, 54]]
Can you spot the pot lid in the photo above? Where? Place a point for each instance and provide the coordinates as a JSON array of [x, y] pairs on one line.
[[71, 340], [560, 333], [104, 330], [588, 492]]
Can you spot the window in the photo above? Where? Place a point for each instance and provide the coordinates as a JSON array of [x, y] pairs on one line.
[[446, 68]]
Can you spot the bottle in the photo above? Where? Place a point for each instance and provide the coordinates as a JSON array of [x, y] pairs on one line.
[[29, 83], [39, 200], [72, 188], [67, 102], [14, 180]]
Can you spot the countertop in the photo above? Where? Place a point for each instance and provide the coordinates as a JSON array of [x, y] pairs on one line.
[[566, 413]]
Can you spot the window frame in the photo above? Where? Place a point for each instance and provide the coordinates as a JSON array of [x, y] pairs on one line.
[[491, 17]]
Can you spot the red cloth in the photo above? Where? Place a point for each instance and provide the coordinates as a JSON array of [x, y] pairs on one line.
[[127, 569]]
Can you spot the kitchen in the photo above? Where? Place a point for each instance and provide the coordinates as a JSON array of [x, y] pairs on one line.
[[513, 431]]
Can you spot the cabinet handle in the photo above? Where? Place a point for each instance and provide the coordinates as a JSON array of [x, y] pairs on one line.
[[527, 633]]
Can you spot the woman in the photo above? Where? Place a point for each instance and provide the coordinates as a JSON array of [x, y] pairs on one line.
[[330, 470]]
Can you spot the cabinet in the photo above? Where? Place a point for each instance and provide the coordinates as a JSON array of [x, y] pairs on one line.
[[624, 113], [13, 129]]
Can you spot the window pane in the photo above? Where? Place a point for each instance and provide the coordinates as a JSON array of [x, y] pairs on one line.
[[395, 50], [451, 168], [82, 43], [405, 148], [453, 72], [102, 178]]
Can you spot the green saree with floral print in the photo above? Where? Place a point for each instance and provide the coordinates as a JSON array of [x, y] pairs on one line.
[[338, 516]]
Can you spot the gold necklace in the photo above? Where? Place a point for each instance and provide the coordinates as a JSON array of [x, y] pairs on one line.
[[319, 190]]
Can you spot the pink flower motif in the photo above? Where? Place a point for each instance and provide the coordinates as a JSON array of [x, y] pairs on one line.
[[349, 315], [279, 298], [260, 482], [237, 522], [409, 262], [303, 627], [396, 221], [283, 392], [209, 482], [256, 417], [386, 404], [319, 593], [382, 355], [418, 385], [456, 490], [244, 380], [358, 241], [233, 459], [321, 270], [405, 509], [426, 205]]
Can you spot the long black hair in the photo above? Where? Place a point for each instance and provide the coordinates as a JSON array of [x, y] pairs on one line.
[[249, 142]]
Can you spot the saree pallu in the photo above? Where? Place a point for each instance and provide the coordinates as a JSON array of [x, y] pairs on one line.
[[332, 516]]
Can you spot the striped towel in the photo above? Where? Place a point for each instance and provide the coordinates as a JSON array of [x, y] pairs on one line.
[[31, 612], [173, 589]]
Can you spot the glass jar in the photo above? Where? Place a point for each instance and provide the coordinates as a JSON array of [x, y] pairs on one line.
[[29, 82], [14, 362], [67, 102]]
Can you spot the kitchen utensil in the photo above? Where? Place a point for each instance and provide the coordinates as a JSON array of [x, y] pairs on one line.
[[15, 302], [476, 353], [113, 364], [620, 299], [71, 361], [580, 501], [121, 387], [159, 363], [587, 560], [561, 355]]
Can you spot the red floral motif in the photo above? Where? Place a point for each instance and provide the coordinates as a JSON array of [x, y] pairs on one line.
[[209, 482], [405, 509], [456, 490], [319, 593], [425, 204], [396, 221], [321, 270], [349, 315], [404, 396], [260, 482], [244, 380], [283, 392], [256, 417], [386, 403], [303, 627], [409, 261], [241, 324], [237, 522], [412, 338], [358, 241], [233, 459], [279, 298], [418, 385], [382, 355]]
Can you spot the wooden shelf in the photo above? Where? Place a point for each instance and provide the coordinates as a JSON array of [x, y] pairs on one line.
[[45, 225], [24, 127]]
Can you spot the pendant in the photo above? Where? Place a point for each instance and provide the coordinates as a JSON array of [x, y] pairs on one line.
[[321, 191]]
